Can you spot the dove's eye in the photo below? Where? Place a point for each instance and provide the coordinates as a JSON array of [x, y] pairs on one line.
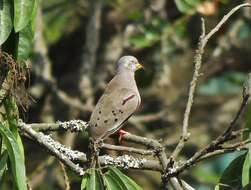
[[132, 65]]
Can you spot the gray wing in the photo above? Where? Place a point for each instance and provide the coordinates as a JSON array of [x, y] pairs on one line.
[[111, 111]]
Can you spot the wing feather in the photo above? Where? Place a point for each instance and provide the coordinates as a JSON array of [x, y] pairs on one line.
[[111, 111]]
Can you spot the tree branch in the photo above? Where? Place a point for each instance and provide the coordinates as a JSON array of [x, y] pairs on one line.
[[52, 147], [68, 156], [227, 135], [198, 62], [127, 149], [72, 125]]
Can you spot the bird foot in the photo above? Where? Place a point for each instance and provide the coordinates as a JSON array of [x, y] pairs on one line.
[[121, 134]]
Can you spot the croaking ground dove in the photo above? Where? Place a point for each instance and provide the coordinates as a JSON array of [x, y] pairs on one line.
[[120, 100]]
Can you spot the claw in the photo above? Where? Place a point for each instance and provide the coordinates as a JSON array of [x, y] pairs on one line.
[[121, 134]]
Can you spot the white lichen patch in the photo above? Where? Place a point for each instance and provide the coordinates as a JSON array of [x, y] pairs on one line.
[[125, 161], [63, 150], [73, 125]]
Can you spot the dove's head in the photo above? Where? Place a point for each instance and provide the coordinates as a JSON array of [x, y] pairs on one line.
[[129, 63]]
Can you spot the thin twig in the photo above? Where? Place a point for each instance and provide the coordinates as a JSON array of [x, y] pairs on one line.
[[227, 135], [198, 62], [127, 149], [66, 178]]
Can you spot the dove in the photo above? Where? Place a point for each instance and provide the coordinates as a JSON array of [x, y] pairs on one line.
[[119, 101]]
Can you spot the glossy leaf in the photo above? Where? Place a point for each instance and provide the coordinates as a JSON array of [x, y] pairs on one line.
[[26, 36], [24, 44], [248, 120], [84, 182], [16, 158], [3, 163], [111, 183], [245, 171], [5, 20], [25, 40], [34, 15], [125, 182], [22, 13], [231, 176], [12, 117], [94, 182]]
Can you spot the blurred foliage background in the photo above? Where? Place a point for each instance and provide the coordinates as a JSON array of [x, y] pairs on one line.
[[76, 46]]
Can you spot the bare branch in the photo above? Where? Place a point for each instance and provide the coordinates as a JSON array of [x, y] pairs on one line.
[[127, 149], [198, 62], [227, 135], [66, 178], [159, 152]]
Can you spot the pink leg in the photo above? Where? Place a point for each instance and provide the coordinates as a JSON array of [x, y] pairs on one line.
[[121, 134]]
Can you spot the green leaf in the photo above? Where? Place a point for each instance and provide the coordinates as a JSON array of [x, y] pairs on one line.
[[12, 117], [217, 187], [25, 42], [248, 122], [184, 7], [192, 2], [5, 20], [231, 176], [34, 15], [124, 181], [20, 145], [111, 183], [16, 158], [22, 13], [187, 6], [246, 168], [95, 180], [3, 163], [84, 182], [245, 171]]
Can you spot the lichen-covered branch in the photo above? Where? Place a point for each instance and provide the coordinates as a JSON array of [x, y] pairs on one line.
[[68, 156], [130, 162], [54, 148], [72, 125]]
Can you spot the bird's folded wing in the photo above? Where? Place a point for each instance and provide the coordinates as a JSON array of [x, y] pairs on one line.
[[111, 111]]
